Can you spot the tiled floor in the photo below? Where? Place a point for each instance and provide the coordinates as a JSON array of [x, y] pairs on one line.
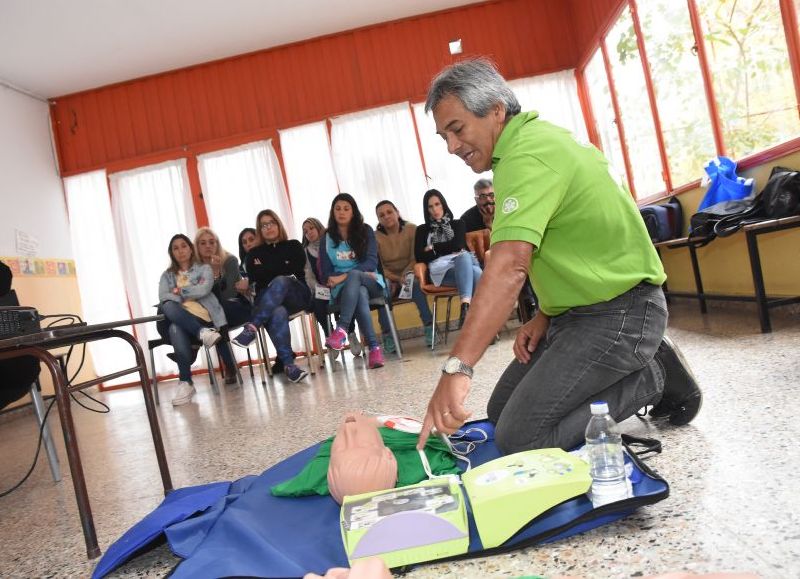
[[734, 491]]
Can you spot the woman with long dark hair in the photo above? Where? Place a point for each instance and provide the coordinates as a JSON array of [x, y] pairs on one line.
[[442, 244], [189, 306], [276, 266], [349, 265], [395, 238]]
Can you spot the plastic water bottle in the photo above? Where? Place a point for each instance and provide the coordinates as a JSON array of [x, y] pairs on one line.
[[606, 458]]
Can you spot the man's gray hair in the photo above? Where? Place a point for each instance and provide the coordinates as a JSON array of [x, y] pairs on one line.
[[477, 84], [482, 184]]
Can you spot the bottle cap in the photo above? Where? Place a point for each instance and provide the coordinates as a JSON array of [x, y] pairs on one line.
[[599, 407]]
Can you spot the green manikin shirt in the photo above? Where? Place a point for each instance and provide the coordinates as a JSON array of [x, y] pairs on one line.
[[313, 479], [557, 194]]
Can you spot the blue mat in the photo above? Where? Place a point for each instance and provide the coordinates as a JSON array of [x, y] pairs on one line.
[[240, 529]]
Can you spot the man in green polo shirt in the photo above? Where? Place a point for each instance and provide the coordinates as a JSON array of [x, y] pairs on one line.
[[564, 220]]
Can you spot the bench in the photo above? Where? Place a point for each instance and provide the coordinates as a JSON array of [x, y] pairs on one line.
[[751, 231]]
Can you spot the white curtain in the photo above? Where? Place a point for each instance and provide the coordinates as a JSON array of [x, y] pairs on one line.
[[150, 205], [238, 183], [375, 155], [306, 152], [445, 172], [555, 97], [100, 280]]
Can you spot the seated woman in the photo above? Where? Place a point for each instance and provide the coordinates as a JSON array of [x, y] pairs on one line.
[[276, 266], [248, 239], [313, 233], [236, 306], [189, 305], [395, 238], [349, 264], [442, 244]]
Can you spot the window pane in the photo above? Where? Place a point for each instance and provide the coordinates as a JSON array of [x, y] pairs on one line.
[[634, 106], [555, 97], [749, 62], [311, 191], [675, 69], [600, 96], [376, 157]]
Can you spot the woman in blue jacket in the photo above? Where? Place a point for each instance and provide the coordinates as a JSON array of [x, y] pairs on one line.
[[349, 266]]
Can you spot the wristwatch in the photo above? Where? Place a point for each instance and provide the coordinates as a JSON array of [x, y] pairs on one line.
[[454, 365]]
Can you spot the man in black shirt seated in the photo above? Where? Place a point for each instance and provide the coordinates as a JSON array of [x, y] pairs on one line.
[[481, 215]]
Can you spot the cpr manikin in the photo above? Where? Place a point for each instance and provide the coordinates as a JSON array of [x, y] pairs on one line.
[[360, 462]]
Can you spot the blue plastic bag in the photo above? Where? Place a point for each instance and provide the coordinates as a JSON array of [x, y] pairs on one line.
[[724, 184]]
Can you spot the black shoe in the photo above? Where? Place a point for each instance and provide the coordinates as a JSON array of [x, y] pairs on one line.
[[682, 397], [463, 316], [277, 367]]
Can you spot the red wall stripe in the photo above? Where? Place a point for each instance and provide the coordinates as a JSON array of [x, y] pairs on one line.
[[255, 94]]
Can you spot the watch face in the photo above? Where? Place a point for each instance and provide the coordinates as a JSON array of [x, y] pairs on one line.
[[452, 365]]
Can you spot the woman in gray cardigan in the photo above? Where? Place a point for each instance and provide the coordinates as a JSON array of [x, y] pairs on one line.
[[189, 305]]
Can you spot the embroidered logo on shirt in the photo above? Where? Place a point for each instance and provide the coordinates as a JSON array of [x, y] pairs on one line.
[[510, 205], [256, 261]]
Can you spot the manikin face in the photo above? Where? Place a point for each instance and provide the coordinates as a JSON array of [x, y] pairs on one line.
[[206, 246], [388, 216], [470, 137], [249, 241], [310, 232], [181, 251], [435, 208], [342, 213], [269, 229]]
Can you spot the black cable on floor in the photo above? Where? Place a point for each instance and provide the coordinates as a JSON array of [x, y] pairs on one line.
[[35, 456]]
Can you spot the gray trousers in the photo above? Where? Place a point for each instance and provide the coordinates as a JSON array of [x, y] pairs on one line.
[[600, 352]]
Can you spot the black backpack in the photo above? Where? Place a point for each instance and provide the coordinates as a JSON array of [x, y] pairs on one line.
[[663, 222]]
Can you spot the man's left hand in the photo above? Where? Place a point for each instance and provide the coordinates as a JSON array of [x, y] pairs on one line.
[[446, 409]]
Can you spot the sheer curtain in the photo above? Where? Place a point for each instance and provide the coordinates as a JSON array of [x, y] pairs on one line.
[[306, 153], [100, 280], [238, 183], [375, 155], [445, 172], [555, 97], [150, 205]]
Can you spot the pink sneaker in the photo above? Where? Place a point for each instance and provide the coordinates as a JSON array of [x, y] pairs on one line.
[[375, 358], [337, 339]]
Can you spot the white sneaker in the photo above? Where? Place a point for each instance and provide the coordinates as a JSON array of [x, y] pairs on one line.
[[183, 394], [209, 337], [355, 344]]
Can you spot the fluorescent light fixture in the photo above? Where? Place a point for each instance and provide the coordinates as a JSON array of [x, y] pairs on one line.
[[455, 47]]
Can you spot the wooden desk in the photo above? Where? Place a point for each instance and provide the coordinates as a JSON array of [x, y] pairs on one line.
[[751, 231], [38, 345]]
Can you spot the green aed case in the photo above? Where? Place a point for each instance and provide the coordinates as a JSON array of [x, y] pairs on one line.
[[509, 492], [429, 520]]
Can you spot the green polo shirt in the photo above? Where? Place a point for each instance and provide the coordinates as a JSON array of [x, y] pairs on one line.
[[591, 244]]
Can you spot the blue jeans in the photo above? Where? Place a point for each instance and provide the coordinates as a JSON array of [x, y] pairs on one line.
[[599, 352], [283, 297], [419, 300], [180, 329], [464, 275], [353, 300]]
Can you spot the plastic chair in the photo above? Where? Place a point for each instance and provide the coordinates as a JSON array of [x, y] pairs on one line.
[[438, 292], [478, 243]]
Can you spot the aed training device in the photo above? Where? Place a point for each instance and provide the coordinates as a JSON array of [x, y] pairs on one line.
[[406, 525], [18, 321], [509, 492]]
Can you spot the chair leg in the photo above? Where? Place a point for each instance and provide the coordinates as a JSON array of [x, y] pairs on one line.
[[265, 346], [250, 364], [211, 372], [435, 323], [155, 376], [393, 329], [447, 318], [235, 363], [49, 445], [307, 343], [260, 352], [317, 339]]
